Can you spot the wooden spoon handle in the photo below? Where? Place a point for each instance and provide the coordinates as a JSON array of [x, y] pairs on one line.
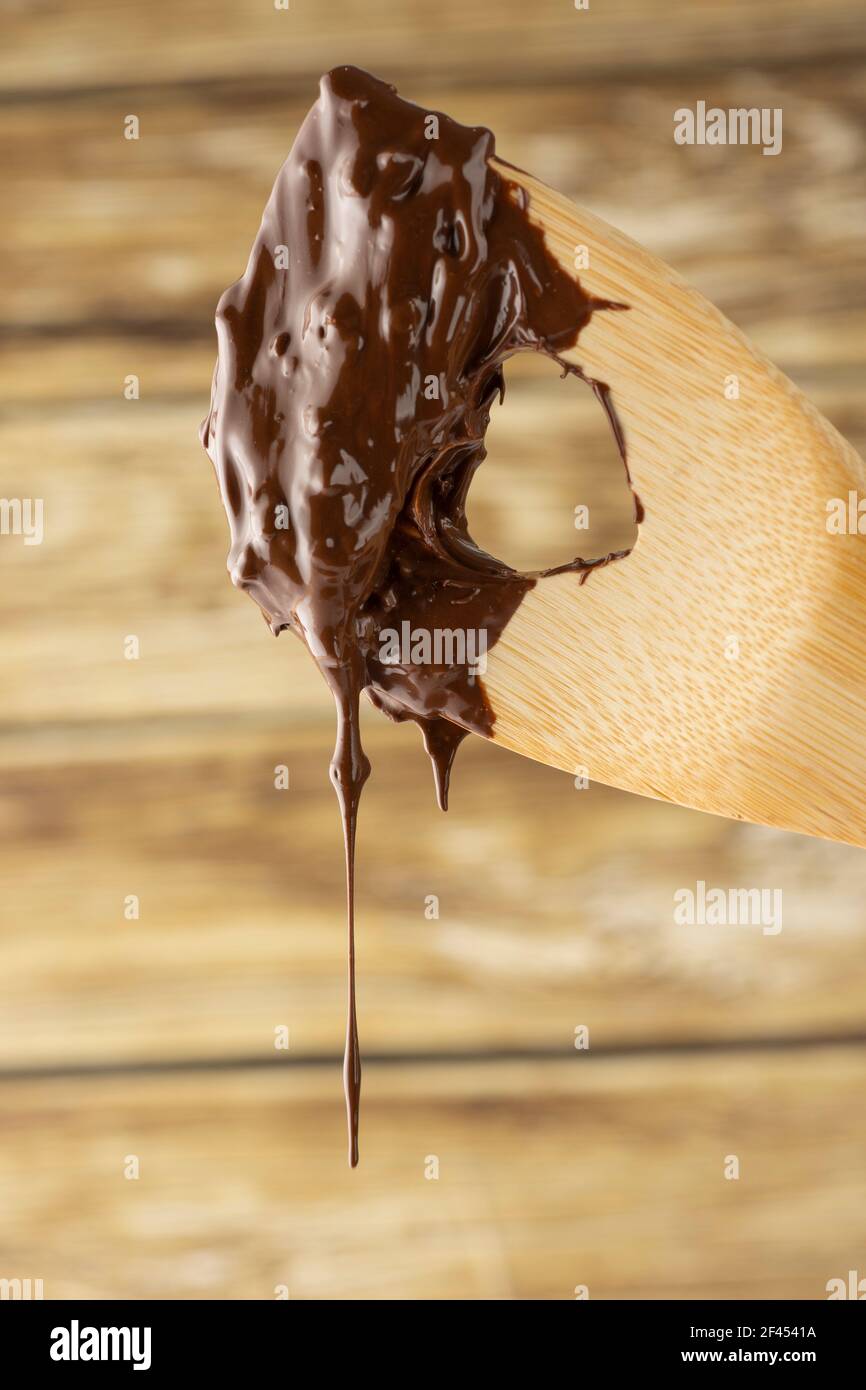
[[722, 664]]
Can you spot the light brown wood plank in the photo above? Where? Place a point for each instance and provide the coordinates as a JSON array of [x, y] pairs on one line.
[[770, 240], [99, 43], [609, 1175], [556, 907]]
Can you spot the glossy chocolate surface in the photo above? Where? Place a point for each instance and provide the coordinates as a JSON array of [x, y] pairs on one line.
[[394, 272]]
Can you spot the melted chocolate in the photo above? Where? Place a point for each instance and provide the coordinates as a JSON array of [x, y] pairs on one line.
[[394, 272]]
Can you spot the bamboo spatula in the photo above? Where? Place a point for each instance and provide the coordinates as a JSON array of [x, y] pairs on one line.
[[722, 664]]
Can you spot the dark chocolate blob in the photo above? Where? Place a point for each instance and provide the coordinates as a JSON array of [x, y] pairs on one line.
[[394, 272]]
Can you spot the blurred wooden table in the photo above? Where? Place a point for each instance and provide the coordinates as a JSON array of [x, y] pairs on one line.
[[154, 1037]]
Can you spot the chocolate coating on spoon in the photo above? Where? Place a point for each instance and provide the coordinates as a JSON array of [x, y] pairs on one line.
[[394, 272]]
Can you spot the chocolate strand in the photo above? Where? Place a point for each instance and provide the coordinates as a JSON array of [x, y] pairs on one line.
[[360, 354]]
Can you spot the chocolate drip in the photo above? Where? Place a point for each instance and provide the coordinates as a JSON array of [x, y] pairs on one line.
[[359, 356]]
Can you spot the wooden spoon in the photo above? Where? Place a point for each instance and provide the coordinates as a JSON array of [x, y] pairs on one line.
[[722, 664]]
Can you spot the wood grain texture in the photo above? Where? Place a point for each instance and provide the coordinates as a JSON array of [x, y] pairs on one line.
[[603, 1174], [720, 664], [84, 246], [458, 40], [556, 906]]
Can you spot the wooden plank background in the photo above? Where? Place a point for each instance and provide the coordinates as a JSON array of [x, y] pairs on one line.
[[155, 777]]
